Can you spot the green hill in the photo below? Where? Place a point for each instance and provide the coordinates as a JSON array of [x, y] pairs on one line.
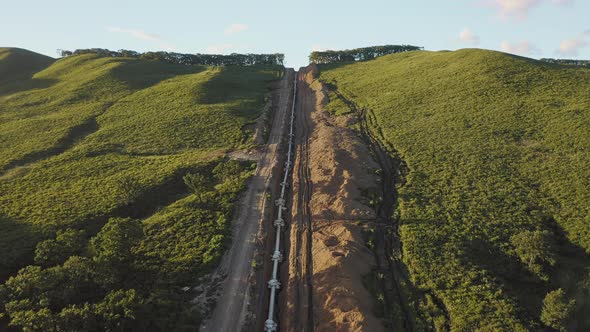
[[17, 66], [493, 203], [18, 63], [89, 146]]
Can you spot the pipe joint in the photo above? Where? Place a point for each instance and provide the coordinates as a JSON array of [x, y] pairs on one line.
[[274, 283]]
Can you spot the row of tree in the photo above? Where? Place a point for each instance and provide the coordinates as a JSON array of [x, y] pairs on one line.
[[233, 59], [359, 54], [570, 62]]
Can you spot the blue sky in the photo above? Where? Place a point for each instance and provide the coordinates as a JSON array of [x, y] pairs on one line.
[[534, 28]]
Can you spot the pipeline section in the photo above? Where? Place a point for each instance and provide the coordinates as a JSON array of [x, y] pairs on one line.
[[279, 223]]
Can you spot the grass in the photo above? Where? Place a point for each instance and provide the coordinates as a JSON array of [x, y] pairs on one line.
[[17, 65], [494, 145], [87, 138]]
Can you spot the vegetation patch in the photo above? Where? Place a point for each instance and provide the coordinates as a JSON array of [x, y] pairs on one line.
[[233, 59], [493, 211], [115, 195], [359, 54]]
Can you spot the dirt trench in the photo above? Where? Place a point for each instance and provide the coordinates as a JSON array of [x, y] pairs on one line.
[[327, 256]]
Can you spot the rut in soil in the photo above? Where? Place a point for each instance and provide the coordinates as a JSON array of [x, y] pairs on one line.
[[305, 230], [388, 246]]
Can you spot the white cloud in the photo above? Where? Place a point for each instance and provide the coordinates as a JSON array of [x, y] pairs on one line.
[[570, 47], [515, 8], [563, 2], [468, 37], [220, 48], [521, 48], [235, 28], [140, 34], [519, 9]]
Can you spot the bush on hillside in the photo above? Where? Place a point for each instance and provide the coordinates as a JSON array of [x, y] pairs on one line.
[[534, 248], [557, 310], [67, 243]]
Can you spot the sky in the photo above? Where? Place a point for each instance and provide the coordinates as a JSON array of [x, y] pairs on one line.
[[532, 28]]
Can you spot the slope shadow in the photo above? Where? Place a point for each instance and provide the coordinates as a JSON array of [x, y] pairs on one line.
[[74, 135], [149, 201], [17, 68], [528, 290], [140, 74], [137, 74], [17, 245], [572, 274], [232, 84], [24, 83]]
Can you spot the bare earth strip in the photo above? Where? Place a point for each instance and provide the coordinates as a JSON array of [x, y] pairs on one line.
[[299, 310], [231, 309], [327, 256]]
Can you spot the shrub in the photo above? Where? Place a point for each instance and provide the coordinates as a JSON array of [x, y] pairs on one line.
[[128, 189], [534, 248], [557, 310], [197, 184], [67, 243]]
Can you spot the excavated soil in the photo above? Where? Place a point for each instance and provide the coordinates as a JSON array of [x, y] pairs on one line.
[[327, 255]]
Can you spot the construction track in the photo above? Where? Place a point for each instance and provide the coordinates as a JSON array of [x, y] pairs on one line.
[[252, 220], [328, 258], [319, 286], [277, 256], [301, 223], [299, 316]]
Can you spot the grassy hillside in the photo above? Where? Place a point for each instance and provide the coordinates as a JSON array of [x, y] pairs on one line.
[[96, 194], [493, 204], [18, 63], [17, 66]]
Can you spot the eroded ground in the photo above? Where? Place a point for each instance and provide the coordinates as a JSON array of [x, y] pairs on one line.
[[328, 257]]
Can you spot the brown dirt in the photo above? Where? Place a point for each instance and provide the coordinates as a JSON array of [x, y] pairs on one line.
[[261, 124], [234, 276], [327, 255]]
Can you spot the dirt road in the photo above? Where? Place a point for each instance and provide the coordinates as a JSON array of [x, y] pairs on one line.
[[231, 310], [300, 317]]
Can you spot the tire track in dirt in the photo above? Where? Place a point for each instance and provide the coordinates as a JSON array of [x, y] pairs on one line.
[[329, 260], [302, 222], [328, 257], [306, 184], [236, 271]]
